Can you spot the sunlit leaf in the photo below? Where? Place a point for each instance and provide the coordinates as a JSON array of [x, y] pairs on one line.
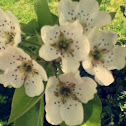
[[43, 13]]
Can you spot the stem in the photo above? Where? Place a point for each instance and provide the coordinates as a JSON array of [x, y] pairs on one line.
[[124, 15]]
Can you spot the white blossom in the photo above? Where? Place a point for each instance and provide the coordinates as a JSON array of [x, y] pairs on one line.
[[64, 97], [65, 41], [104, 56], [20, 69], [10, 34], [86, 11]]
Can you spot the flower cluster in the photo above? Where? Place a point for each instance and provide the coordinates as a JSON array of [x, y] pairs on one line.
[[77, 39], [18, 67]]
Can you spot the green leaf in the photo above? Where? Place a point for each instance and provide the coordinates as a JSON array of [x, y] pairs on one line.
[[26, 49], [33, 41], [63, 124], [29, 28], [55, 19], [39, 38], [1, 71], [48, 68], [21, 104], [34, 117], [92, 111], [49, 71], [113, 14], [43, 13], [99, 1]]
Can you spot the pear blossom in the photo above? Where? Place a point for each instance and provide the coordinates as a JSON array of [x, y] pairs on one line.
[[10, 33], [64, 97], [86, 11], [67, 42], [104, 56], [20, 69]]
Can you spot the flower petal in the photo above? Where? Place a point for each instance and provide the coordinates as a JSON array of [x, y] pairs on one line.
[[115, 59], [14, 21], [40, 70], [48, 53], [120, 57], [103, 75], [86, 90], [12, 77], [11, 57], [70, 64], [72, 112], [89, 6], [96, 20], [34, 86], [52, 112], [15, 24], [66, 10], [52, 102], [102, 39], [71, 78], [72, 30], [87, 65], [49, 33]]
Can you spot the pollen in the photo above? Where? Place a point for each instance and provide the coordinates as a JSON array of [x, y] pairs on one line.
[[9, 38], [65, 91], [63, 45], [97, 55]]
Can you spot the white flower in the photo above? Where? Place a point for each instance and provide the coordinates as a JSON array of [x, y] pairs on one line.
[[87, 11], [9, 30], [66, 42], [21, 69], [64, 97], [104, 56]]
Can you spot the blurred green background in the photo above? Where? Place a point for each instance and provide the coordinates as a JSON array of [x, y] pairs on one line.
[[113, 97]]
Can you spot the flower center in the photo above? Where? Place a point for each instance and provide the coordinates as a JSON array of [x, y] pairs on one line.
[[27, 67], [97, 55], [65, 92], [83, 24], [63, 45], [10, 38]]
